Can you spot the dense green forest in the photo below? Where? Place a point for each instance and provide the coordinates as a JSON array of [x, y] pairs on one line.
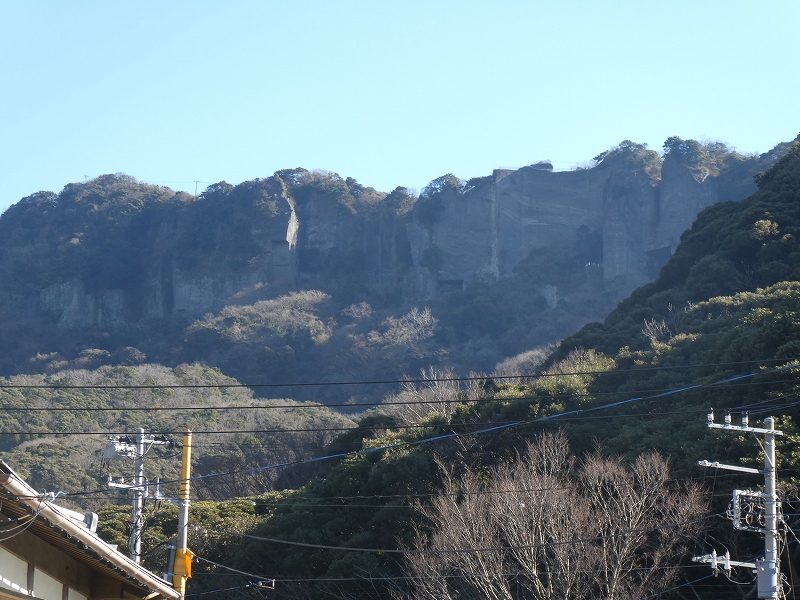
[[466, 463]]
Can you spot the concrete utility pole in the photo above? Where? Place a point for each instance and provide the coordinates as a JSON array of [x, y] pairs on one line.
[[137, 520], [753, 510], [125, 447]]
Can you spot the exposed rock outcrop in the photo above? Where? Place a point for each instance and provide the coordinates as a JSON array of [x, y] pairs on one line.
[[486, 230], [179, 257]]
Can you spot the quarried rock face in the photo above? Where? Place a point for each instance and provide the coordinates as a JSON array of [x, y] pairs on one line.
[[630, 224], [72, 307], [183, 257], [486, 230]]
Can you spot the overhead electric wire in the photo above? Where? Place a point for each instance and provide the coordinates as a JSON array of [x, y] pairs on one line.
[[280, 579], [281, 503], [18, 527], [238, 587], [232, 569], [57, 386], [29, 519], [462, 434], [503, 425], [657, 594], [285, 579], [268, 503], [340, 455], [371, 427], [320, 405], [506, 548], [563, 417]]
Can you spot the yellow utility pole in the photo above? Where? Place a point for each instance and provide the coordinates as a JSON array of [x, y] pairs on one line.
[[183, 556]]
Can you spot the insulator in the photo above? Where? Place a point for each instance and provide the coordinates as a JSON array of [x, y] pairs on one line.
[[745, 419], [710, 416], [727, 418]]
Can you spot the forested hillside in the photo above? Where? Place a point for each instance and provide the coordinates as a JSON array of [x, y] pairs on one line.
[[620, 397], [456, 458], [52, 425]]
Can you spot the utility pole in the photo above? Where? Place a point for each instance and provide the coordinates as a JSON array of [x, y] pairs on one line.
[[125, 447], [753, 510], [137, 520], [182, 564]]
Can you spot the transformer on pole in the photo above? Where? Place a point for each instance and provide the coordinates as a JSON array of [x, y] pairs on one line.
[[753, 510]]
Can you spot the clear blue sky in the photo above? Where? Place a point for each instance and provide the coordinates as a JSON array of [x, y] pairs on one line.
[[391, 93]]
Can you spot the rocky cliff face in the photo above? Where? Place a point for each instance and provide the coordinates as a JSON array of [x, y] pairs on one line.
[[485, 231], [119, 252]]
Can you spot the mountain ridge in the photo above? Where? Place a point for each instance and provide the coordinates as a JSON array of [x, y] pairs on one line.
[[111, 260]]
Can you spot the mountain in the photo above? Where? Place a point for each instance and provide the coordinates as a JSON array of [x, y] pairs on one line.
[[640, 382], [724, 307], [731, 248], [505, 263]]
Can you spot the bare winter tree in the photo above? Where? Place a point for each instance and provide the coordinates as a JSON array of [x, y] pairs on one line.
[[641, 523], [435, 391], [523, 367], [537, 530], [657, 331]]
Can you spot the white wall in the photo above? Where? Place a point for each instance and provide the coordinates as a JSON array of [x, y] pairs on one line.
[[46, 587], [74, 595], [13, 572]]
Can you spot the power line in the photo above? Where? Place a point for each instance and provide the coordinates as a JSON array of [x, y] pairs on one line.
[[320, 405], [211, 562], [377, 382], [319, 429], [28, 519], [549, 544], [389, 405], [280, 579], [257, 584], [495, 428], [280, 503], [675, 588], [355, 427]]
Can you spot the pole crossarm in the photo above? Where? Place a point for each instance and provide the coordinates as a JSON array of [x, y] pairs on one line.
[[746, 429], [134, 448], [718, 465], [125, 486], [723, 562]]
